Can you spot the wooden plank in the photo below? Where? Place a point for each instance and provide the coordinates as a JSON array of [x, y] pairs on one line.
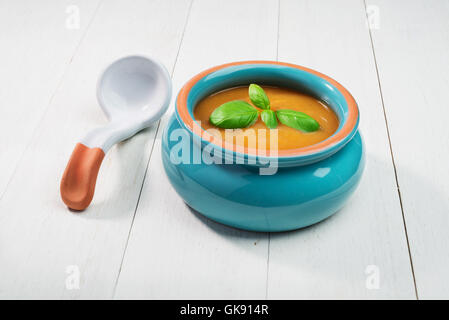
[[340, 257], [44, 247], [173, 252], [39, 39], [411, 48]]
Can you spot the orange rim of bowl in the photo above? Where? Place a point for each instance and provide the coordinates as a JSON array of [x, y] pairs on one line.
[[343, 132]]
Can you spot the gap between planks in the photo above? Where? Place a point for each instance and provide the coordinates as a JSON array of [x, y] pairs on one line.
[[58, 85], [391, 151], [151, 153]]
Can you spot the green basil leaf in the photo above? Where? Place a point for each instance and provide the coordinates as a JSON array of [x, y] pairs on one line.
[[297, 120], [258, 96], [269, 118], [234, 114]]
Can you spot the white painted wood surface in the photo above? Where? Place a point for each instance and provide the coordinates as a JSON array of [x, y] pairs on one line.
[[39, 237], [334, 258], [138, 239], [39, 39], [412, 45]]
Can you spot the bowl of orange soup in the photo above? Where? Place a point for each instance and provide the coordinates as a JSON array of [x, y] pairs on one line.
[[256, 178]]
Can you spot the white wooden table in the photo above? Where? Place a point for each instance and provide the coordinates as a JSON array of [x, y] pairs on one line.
[[138, 239]]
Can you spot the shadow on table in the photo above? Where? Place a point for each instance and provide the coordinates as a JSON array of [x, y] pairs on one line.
[[368, 230], [376, 171]]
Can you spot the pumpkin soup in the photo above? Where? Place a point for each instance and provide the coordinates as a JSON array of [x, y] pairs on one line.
[[279, 99]]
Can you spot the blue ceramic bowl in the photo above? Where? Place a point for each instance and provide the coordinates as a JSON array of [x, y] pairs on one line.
[[309, 184]]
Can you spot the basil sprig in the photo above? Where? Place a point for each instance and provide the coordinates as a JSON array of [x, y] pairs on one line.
[[258, 97], [297, 120], [269, 118], [240, 114], [234, 114]]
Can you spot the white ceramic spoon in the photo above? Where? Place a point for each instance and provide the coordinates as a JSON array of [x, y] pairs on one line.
[[134, 92]]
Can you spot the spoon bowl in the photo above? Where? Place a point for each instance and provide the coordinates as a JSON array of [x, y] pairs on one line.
[[134, 86]]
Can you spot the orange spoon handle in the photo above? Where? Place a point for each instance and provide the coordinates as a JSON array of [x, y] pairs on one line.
[[80, 176]]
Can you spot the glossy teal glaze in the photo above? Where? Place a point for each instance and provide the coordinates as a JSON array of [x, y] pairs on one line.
[[305, 189], [238, 196]]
